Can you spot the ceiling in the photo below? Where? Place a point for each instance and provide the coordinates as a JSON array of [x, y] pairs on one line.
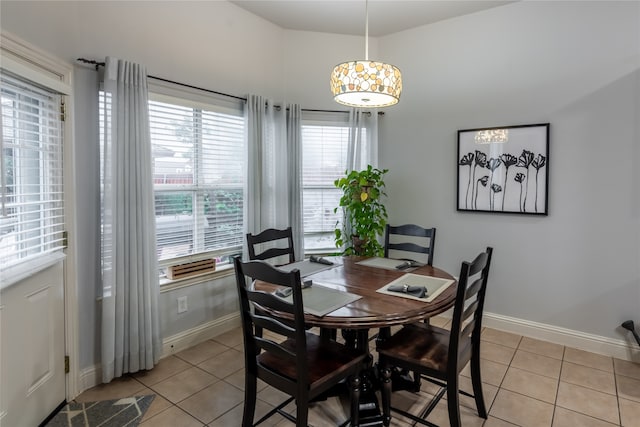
[[348, 16]]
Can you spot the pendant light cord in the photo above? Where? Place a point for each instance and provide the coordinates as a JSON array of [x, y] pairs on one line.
[[366, 30]]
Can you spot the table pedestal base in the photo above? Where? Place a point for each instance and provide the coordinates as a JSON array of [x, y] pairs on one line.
[[370, 415]]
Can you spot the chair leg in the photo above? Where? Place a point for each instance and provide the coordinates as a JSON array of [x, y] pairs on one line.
[[250, 393], [355, 401], [302, 412], [476, 381], [328, 334], [349, 336], [417, 382], [453, 403], [386, 395]]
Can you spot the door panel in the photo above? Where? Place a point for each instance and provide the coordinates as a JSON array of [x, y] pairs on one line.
[[32, 348]]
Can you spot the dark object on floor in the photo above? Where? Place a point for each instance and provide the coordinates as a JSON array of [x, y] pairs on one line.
[[127, 411], [628, 325]]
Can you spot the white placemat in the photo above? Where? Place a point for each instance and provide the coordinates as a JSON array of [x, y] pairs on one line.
[[435, 286], [320, 300], [306, 267]]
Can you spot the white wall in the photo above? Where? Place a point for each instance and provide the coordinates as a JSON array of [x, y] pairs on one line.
[[211, 44], [572, 64], [310, 57]]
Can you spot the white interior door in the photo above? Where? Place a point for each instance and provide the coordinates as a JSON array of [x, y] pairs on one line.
[[32, 348]]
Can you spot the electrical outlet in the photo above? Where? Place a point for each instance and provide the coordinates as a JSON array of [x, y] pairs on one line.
[[182, 304]]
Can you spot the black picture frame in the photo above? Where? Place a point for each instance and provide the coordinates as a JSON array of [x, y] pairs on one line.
[[504, 169]]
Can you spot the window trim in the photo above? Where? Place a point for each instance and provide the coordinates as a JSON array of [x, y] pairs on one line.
[[26, 61], [171, 93]]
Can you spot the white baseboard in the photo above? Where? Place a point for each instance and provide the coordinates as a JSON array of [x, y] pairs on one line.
[[200, 333], [92, 376], [89, 377], [594, 343]]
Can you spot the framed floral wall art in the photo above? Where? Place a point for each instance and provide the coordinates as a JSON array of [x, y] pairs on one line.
[[504, 169]]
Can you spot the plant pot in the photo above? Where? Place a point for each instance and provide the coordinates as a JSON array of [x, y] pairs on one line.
[[358, 244]]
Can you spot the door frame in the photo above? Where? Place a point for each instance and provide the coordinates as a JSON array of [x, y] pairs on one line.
[[30, 62]]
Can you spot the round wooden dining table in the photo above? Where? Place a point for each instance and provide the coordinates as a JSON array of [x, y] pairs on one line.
[[374, 309]]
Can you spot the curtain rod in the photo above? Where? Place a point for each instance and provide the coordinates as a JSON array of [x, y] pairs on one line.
[[102, 64]]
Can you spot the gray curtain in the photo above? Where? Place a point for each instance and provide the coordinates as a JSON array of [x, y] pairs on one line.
[[273, 188], [363, 139], [294, 176], [130, 323]]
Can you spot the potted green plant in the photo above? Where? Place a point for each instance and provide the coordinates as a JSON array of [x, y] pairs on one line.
[[364, 214]]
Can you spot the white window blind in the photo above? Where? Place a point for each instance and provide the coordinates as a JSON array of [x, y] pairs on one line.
[[198, 154], [324, 154], [31, 173]]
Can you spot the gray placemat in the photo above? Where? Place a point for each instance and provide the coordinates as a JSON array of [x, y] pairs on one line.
[[320, 300], [306, 267]]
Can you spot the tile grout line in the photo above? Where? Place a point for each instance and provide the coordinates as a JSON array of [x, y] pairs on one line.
[[501, 381], [192, 365], [615, 385], [555, 401]]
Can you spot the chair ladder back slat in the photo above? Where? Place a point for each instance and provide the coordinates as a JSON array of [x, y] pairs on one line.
[[410, 230], [468, 328], [273, 325], [275, 348], [469, 311], [474, 288], [272, 253], [478, 264], [272, 301], [408, 247]]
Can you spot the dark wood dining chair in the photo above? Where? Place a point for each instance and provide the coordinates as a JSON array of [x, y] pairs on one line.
[[303, 365], [422, 235], [274, 236], [439, 355]]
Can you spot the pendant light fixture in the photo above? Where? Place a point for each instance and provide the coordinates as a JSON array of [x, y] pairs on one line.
[[365, 83]]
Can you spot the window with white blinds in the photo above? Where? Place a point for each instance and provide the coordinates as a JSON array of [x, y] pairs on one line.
[[324, 159], [198, 153], [31, 173]]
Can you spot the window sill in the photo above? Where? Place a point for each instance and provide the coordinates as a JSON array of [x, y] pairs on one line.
[[167, 285]]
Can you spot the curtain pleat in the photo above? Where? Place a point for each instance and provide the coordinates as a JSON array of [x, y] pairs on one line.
[[294, 176], [273, 186], [131, 338], [254, 116], [362, 149], [363, 139]]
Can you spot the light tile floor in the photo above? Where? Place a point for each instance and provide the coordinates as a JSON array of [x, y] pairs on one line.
[[527, 382]]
